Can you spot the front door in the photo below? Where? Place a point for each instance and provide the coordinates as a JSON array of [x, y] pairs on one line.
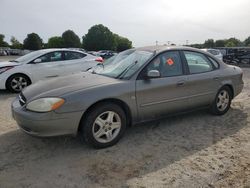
[[166, 94], [48, 66]]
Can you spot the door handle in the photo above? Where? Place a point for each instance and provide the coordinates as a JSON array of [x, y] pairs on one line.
[[216, 78], [52, 76], [180, 83]]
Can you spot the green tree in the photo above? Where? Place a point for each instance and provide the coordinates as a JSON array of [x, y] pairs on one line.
[[247, 41], [233, 42], [15, 44], [196, 46], [2, 42], [99, 37], [32, 42], [220, 43], [71, 40], [122, 43], [209, 43], [55, 42]]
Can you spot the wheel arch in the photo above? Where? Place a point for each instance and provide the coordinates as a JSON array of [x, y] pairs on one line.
[[119, 102], [18, 74], [230, 87]]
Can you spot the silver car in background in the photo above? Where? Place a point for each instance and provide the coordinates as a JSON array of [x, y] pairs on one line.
[[43, 64], [144, 84], [216, 53]]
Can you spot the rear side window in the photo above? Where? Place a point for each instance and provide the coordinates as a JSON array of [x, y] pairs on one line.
[[215, 63], [51, 57], [73, 55], [197, 62]]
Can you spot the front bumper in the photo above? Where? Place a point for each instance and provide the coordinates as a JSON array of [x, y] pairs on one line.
[[45, 124]]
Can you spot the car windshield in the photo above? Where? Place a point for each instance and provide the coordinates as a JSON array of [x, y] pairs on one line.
[[119, 57], [28, 57], [124, 64]]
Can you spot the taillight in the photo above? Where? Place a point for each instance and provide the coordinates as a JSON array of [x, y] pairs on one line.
[[99, 59]]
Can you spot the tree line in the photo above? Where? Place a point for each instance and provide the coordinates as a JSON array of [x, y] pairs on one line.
[[98, 38], [231, 42]]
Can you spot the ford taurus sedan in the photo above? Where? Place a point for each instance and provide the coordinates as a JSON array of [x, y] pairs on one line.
[[146, 84], [43, 64]]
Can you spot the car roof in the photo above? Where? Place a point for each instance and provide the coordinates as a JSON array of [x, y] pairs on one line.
[[60, 49], [210, 49], [161, 48]]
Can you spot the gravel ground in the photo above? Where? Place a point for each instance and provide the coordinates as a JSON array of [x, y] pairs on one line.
[[7, 58], [191, 150]]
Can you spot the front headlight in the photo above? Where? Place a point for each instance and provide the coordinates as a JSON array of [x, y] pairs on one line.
[[2, 70], [45, 104]]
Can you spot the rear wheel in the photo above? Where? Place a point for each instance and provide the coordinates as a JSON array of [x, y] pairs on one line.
[[104, 125], [222, 101], [16, 83]]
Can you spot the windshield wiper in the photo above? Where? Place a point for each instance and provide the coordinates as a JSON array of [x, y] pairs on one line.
[[125, 70], [101, 65], [14, 61]]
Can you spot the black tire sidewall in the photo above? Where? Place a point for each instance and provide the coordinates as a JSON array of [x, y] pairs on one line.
[[214, 109], [9, 80], [91, 117]]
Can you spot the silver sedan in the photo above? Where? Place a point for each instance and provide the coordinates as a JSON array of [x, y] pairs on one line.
[[139, 85]]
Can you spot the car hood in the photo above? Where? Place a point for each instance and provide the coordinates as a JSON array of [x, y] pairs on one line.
[[7, 64], [57, 87]]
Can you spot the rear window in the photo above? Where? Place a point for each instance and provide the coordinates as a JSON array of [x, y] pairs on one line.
[[214, 52]]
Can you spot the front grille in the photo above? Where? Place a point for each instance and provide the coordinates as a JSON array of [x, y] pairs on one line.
[[22, 99]]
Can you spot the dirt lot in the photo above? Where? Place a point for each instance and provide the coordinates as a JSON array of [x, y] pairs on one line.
[[192, 150], [7, 58]]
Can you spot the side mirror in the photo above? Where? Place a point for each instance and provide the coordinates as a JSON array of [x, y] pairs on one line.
[[153, 74], [38, 60]]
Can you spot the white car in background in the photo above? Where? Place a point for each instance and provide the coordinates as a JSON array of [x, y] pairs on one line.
[[42, 64], [215, 52]]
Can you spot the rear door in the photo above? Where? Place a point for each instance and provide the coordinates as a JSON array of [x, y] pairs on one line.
[[160, 96], [77, 62], [203, 80]]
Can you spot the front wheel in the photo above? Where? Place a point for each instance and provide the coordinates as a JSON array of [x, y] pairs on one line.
[[104, 125], [222, 101], [16, 83]]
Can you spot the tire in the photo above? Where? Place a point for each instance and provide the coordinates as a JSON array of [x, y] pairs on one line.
[[17, 82], [104, 125], [222, 101]]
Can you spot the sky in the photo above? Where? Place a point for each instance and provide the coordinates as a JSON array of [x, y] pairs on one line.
[[142, 21]]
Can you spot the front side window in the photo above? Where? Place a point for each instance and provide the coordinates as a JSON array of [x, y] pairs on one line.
[[168, 64], [197, 62], [50, 57], [73, 55]]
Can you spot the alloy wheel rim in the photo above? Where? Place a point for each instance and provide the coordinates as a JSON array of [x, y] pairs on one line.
[[18, 83], [222, 100], [106, 127]]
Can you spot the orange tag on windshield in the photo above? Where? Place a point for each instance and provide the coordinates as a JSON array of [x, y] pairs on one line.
[[170, 61]]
